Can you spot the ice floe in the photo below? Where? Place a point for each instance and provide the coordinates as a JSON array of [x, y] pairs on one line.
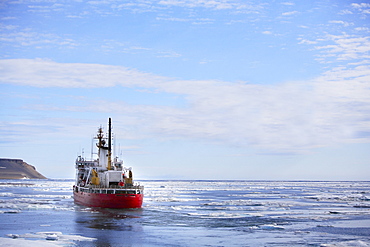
[[42, 239], [271, 227], [355, 243]]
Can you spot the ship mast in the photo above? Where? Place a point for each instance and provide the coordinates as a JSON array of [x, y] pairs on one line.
[[109, 144]]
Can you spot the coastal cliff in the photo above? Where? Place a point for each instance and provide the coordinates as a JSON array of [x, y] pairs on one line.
[[18, 169]]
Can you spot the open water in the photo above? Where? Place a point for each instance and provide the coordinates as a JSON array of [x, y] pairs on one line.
[[190, 213]]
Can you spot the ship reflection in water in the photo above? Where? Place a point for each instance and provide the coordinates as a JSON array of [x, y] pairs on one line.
[[110, 227]]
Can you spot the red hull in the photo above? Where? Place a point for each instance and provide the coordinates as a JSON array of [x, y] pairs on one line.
[[108, 200]]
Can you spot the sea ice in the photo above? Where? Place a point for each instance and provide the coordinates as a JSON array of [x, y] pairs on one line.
[[355, 243], [42, 239], [271, 227], [10, 242]]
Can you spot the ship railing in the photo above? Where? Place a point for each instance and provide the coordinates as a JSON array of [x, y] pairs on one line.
[[105, 190], [135, 187]]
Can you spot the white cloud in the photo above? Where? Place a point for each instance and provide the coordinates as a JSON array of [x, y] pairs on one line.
[[169, 54], [363, 8], [46, 8], [38, 40], [345, 47], [195, 21], [290, 13], [344, 23], [360, 5], [289, 117], [362, 29], [121, 47], [100, 2], [345, 12], [288, 3], [45, 73], [267, 32], [240, 7], [214, 4], [6, 18], [176, 19], [7, 27], [305, 41]]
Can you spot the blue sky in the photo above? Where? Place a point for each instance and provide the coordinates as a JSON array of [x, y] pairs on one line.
[[221, 89]]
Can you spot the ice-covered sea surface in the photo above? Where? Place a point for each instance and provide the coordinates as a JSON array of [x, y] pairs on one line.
[[190, 213]]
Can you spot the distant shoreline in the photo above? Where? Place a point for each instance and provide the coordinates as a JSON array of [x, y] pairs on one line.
[[18, 169]]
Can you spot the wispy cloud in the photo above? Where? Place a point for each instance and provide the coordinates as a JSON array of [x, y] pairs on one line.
[[290, 117], [168, 54], [345, 47], [290, 13], [288, 3], [305, 41], [363, 8], [344, 23], [176, 19], [195, 21], [267, 32], [237, 7], [216, 4], [46, 8], [45, 73], [27, 38]]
